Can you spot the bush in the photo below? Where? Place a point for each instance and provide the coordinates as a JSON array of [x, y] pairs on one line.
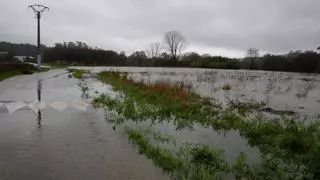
[[226, 87], [17, 67]]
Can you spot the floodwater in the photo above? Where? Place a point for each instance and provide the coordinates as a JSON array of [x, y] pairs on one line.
[[230, 142], [295, 92], [71, 143], [68, 144], [299, 93]]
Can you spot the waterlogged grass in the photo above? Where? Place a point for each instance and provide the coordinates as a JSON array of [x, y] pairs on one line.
[[174, 100], [189, 162], [244, 108], [77, 73], [289, 149], [283, 142], [157, 93], [84, 90], [199, 162], [161, 157]]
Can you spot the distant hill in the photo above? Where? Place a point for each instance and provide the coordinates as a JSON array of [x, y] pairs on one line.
[[19, 49]]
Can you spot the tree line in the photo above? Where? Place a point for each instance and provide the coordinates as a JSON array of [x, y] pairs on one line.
[[19, 49], [294, 61], [79, 53], [168, 53]]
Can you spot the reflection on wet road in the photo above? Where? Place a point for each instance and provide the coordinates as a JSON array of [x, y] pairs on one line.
[[39, 87], [71, 144]]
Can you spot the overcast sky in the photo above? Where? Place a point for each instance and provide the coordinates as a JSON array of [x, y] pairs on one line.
[[220, 27]]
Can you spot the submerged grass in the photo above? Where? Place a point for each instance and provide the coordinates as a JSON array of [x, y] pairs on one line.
[[160, 92], [199, 162], [161, 157], [77, 73], [290, 149], [174, 100], [189, 162]]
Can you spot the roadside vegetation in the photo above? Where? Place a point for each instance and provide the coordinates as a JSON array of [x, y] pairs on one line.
[[10, 70], [289, 148], [9, 66]]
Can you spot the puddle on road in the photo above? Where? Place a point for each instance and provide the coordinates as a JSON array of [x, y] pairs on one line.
[[72, 144]]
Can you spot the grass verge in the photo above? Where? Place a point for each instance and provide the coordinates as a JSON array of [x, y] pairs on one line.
[[14, 70], [9, 74]]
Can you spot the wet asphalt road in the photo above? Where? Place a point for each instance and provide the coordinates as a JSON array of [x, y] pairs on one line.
[[67, 145]]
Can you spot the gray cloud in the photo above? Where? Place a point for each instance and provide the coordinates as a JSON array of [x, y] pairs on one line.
[[226, 27]]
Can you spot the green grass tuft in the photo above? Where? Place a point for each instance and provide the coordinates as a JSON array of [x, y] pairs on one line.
[[77, 73]]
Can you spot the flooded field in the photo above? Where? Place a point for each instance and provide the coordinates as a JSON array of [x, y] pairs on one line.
[[230, 124], [278, 90]]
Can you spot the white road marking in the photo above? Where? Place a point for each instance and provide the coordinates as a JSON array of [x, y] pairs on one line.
[[59, 105], [36, 106], [80, 105], [14, 106]]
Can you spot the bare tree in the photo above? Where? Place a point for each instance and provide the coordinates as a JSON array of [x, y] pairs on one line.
[[252, 55], [174, 43], [154, 50]]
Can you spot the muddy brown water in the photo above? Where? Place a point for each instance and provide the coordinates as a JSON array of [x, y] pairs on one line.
[[71, 144]]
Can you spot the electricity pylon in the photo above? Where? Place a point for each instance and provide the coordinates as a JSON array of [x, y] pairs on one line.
[[38, 10]]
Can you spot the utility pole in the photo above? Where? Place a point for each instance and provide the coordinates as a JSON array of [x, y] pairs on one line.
[[38, 10]]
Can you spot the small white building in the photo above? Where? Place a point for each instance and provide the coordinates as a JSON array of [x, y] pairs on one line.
[[23, 58], [3, 55]]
